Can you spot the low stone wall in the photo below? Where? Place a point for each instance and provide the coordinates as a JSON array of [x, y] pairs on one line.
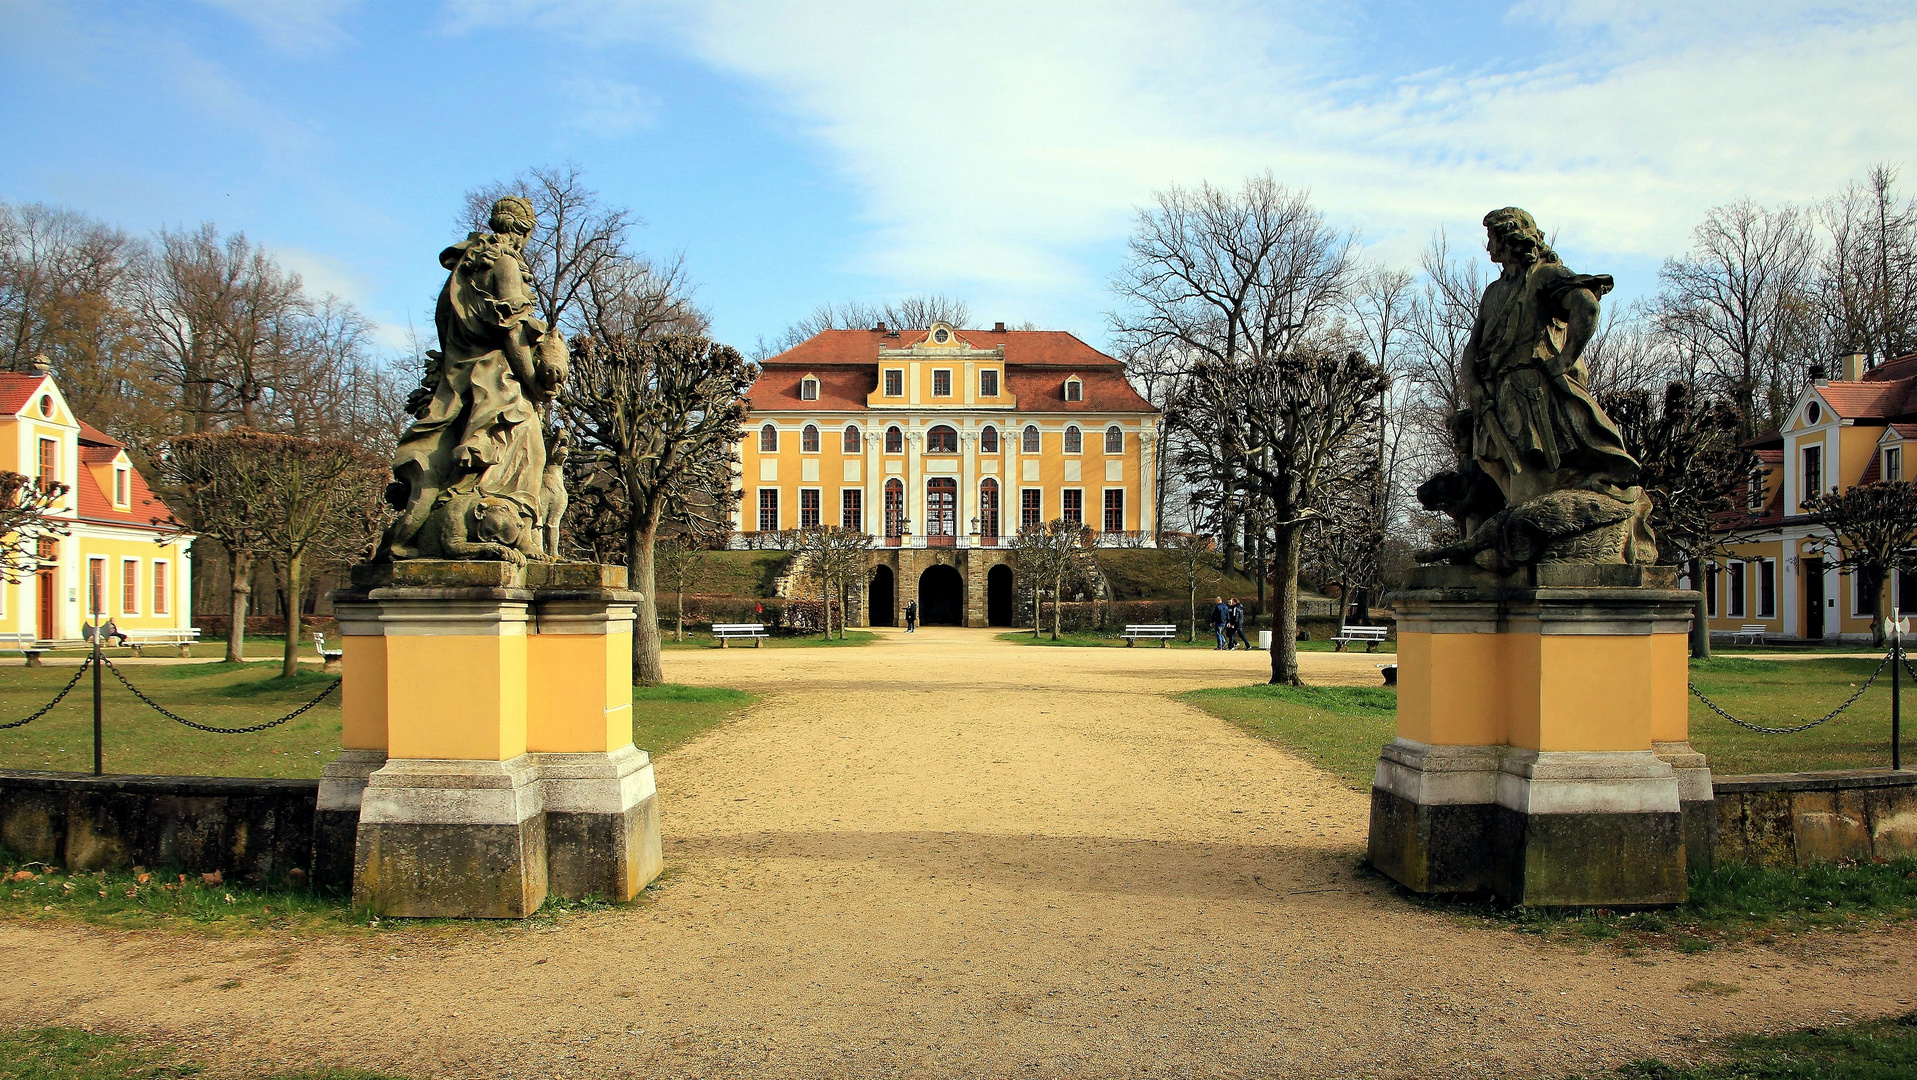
[[1793, 819], [246, 829]]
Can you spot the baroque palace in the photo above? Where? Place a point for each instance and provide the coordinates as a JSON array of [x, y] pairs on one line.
[[1841, 432], [941, 443], [113, 559]]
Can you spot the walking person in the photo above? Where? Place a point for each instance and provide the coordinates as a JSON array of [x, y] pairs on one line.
[[912, 617], [1220, 621], [1236, 626]]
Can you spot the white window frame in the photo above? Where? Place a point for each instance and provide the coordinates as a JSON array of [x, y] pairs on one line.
[[1737, 596], [1071, 430], [1109, 430], [758, 502], [764, 429], [1021, 505], [984, 374], [885, 382], [1031, 433], [135, 564], [947, 372], [162, 588], [1074, 389], [886, 445], [819, 508], [857, 494], [1104, 494], [818, 439], [86, 602], [996, 435], [809, 388], [1754, 498], [1890, 454], [122, 486], [1766, 574], [856, 439], [1081, 503]]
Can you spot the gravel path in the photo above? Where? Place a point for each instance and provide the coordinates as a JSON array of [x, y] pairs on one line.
[[946, 856]]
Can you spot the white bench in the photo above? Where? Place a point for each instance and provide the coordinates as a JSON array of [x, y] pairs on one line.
[[27, 645], [183, 638], [724, 632], [1150, 631], [1754, 632], [1370, 635], [329, 658]]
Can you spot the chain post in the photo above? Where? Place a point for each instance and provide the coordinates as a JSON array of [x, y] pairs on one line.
[[1896, 710], [98, 588]]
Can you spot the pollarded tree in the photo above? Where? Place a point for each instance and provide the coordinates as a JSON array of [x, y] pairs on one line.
[[678, 564], [1302, 425], [1057, 552], [25, 509], [833, 557], [664, 414], [1876, 530]]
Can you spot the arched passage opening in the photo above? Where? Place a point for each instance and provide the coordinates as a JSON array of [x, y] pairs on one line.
[[879, 598], [998, 596], [941, 597]]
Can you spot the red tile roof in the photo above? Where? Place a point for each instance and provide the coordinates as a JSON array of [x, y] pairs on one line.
[[91, 434], [1897, 367], [1865, 400], [16, 389], [144, 509], [1036, 365]]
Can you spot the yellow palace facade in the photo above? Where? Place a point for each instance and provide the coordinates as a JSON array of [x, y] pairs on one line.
[[113, 558], [941, 443]]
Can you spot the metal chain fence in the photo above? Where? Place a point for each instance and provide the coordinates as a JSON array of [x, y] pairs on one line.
[[178, 719], [1760, 729], [57, 698]]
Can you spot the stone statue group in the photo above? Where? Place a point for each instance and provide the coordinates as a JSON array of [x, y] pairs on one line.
[[1543, 476]]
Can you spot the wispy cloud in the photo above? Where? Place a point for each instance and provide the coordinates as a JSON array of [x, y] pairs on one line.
[[290, 25], [995, 141], [608, 108]]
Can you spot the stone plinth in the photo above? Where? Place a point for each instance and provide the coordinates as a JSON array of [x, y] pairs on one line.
[[487, 726], [1542, 752]]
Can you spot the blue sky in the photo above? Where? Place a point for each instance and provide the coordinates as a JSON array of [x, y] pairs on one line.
[[816, 152]]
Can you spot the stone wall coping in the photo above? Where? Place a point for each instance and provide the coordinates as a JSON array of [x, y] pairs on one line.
[[222, 786], [1829, 780]]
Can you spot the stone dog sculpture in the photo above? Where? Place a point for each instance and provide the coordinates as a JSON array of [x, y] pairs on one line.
[[1569, 489], [468, 471]]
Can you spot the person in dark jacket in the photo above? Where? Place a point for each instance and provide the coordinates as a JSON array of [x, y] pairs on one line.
[[912, 617], [1220, 620], [1235, 626]]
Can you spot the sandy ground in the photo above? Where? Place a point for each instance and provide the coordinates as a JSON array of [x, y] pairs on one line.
[[947, 856]]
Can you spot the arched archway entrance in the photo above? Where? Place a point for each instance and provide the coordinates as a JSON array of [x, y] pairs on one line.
[[941, 597], [998, 596], [879, 602]]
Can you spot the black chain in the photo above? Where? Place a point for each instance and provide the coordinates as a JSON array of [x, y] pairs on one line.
[[178, 719], [57, 698], [1848, 702]]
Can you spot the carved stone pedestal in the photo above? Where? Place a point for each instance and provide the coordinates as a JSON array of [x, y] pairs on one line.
[[1541, 754], [488, 726]]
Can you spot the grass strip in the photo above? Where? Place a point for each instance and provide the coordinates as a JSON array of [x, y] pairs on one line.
[[1871, 1050], [670, 715], [62, 1053], [1337, 728]]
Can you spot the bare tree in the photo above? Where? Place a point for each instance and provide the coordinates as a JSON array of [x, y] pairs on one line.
[[322, 502], [1867, 291], [678, 564], [1056, 552], [1740, 302], [27, 507], [1197, 560], [220, 482], [664, 415], [833, 557], [909, 313]]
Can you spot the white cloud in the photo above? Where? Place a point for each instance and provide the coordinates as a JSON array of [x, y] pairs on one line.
[[607, 108], [992, 143], [291, 25]]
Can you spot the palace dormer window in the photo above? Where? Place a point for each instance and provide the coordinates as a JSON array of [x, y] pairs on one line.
[[1813, 472], [851, 444], [809, 440], [894, 382], [988, 440], [1114, 440], [49, 464], [1893, 463], [121, 483], [1755, 501], [1074, 440], [768, 440], [808, 389], [1029, 441], [941, 440], [941, 383], [1074, 390], [894, 440]]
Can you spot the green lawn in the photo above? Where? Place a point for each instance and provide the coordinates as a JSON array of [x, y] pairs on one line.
[[139, 740], [1780, 693], [1206, 640], [258, 647], [702, 639], [1337, 728], [72, 1054], [1873, 1050]]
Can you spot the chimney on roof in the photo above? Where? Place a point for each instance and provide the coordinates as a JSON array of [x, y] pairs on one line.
[[879, 327], [1851, 364], [1818, 374], [998, 328], [41, 366]]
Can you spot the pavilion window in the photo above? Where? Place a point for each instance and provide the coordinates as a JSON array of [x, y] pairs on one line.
[[129, 587], [1710, 591], [160, 570], [1734, 602], [120, 496], [1813, 472], [1767, 588], [49, 471], [1893, 463]]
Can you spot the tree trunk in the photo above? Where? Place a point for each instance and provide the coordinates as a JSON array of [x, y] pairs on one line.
[[295, 588], [647, 668], [1700, 619], [1879, 627], [240, 566], [1284, 622], [1191, 630], [1058, 590], [679, 622], [825, 606]]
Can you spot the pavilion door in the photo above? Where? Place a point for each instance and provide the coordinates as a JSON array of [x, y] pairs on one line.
[[941, 507], [45, 580], [1814, 599]]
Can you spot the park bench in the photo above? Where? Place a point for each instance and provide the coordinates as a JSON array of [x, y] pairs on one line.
[[1370, 635], [182, 638], [1163, 632], [27, 645], [329, 658], [1749, 634], [724, 632]]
